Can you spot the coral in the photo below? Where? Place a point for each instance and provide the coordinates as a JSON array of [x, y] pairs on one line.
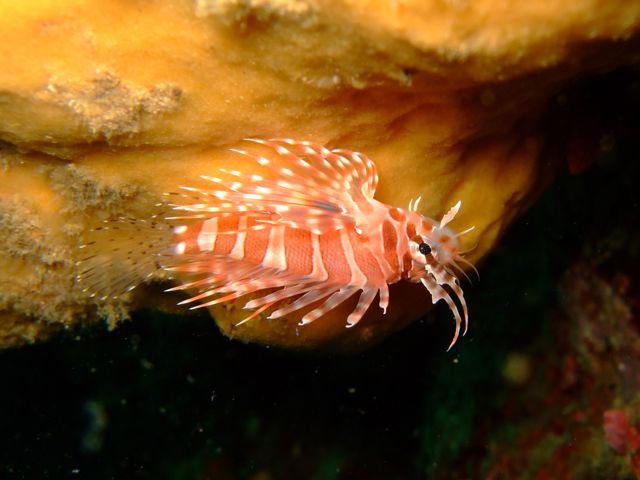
[[99, 117], [544, 387], [106, 107]]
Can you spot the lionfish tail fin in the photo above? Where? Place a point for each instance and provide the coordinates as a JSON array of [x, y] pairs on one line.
[[121, 253]]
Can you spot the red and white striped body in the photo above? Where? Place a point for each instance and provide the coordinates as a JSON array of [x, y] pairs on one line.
[[341, 257]]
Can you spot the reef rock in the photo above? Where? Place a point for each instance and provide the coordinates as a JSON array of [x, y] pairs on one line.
[[106, 105]]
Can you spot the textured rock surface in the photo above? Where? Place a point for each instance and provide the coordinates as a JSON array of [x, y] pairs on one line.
[[105, 105]]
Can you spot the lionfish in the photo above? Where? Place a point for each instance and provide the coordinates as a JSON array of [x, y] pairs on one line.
[[305, 235]]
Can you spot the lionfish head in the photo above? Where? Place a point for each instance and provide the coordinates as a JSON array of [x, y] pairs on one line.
[[436, 258], [435, 243]]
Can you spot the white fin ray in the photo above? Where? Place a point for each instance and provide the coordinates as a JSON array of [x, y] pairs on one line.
[[435, 280], [279, 295], [450, 215], [416, 203], [314, 188], [439, 293], [303, 301], [329, 304], [254, 314], [460, 258], [364, 302], [226, 278], [336, 163]]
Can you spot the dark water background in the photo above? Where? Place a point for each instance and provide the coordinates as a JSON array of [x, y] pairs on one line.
[[165, 396]]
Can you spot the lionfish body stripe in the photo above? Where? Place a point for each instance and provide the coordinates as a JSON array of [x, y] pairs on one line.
[[305, 235]]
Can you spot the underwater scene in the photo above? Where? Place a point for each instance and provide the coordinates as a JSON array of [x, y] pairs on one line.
[[319, 240], [543, 386]]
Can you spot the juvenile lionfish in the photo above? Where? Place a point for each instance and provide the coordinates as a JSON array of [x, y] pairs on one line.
[[305, 233]]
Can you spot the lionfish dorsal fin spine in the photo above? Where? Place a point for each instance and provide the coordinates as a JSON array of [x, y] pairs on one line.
[[305, 186]]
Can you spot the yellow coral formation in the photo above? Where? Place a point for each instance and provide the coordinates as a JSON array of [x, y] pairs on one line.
[[104, 105]]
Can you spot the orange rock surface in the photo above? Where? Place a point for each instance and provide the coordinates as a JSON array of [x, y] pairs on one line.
[[104, 105]]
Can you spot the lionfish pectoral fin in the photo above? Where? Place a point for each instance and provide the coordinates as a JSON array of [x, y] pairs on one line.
[[303, 301], [438, 293], [364, 302], [335, 299], [253, 315]]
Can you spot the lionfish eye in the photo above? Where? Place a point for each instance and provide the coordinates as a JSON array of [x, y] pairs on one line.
[[424, 248]]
